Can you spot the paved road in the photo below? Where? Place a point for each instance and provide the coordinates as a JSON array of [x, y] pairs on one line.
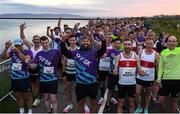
[[62, 103]]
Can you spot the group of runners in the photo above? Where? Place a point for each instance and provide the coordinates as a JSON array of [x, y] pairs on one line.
[[100, 56]]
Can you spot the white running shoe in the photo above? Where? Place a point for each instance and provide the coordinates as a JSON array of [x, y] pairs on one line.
[[101, 100], [113, 100], [86, 109], [51, 107], [68, 108], [36, 102]]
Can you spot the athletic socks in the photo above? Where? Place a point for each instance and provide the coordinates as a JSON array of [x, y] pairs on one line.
[[21, 110], [30, 111]]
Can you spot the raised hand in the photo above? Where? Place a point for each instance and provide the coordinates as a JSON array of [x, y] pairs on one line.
[[91, 34], [15, 49], [48, 27], [51, 30], [23, 26], [77, 25], [8, 44], [60, 18]]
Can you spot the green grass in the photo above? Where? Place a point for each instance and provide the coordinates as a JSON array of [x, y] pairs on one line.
[[8, 104], [167, 25]]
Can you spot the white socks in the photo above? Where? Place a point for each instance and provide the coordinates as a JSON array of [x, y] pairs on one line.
[[21, 110], [30, 111]]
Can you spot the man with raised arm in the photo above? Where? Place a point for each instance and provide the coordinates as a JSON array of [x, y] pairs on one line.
[[86, 60], [35, 47], [20, 82], [47, 60]]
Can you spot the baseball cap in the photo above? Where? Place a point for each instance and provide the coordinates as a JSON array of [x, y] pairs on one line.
[[17, 42]]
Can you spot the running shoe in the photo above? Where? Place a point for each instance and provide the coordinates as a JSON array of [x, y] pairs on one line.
[[138, 110], [113, 100], [68, 108], [101, 100], [36, 102], [145, 111], [154, 101], [178, 110], [86, 109], [51, 107]]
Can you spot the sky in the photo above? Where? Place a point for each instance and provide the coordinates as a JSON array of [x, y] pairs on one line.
[[93, 8]]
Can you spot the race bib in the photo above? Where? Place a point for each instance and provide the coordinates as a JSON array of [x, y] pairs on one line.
[[70, 62], [49, 70], [104, 63], [147, 72], [16, 66], [128, 72]]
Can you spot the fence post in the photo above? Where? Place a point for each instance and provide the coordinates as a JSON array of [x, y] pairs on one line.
[[4, 66]]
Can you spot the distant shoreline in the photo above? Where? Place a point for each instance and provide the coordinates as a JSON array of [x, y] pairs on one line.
[[48, 18]]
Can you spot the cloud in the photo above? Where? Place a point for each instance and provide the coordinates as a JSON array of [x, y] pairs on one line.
[[128, 8], [22, 8], [93, 7], [55, 3]]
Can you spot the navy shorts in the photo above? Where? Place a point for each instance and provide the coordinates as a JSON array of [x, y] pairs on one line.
[[49, 87], [103, 75], [70, 77], [112, 81], [86, 90], [21, 85], [144, 83], [126, 89], [170, 88]]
